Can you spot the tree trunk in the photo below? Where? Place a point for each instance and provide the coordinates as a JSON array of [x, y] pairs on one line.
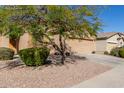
[[62, 58], [17, 45], [60, 48], [62, 52]]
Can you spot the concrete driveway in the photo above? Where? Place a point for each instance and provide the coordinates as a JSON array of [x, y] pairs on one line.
[[104, 59], [113, 78]]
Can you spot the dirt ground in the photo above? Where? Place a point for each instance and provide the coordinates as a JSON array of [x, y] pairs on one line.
[[50, 76]]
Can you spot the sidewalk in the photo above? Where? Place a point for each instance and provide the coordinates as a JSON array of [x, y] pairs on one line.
[[110, 79]]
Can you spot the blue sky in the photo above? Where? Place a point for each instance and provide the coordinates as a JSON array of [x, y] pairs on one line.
[[113, 18]]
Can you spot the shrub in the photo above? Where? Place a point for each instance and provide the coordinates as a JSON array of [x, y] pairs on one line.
[[34, 56], [56, 53], [93, 52], [67, 53], [115, 52], [121, 52], [6, 53], [106, 53]]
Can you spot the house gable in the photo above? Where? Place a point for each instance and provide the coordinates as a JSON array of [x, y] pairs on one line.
[[116, 38], [113, 38]]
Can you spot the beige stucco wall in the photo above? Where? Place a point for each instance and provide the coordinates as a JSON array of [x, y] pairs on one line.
[[79, 46], [110, 46], [82, 46], [4, 41], [25, 41], [101, 46]]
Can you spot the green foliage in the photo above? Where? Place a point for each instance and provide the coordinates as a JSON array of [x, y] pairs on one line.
[[5, 13], [79, 22], [34, 56], [15, 32], [66, 22], [121, 52], [115, 52], [6, 53], [76, 22]]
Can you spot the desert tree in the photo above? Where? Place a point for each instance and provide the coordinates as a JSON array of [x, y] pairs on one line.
[[67, 22], [44, 22]]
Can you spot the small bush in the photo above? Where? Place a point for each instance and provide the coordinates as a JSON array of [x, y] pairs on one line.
[[67, 53], [121, 52], [93, 52], [56, 53], [6, 53], [115, 52], [106, 53], [34, 56]]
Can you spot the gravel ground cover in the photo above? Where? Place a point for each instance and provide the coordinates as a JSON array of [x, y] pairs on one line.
[[50, 76]]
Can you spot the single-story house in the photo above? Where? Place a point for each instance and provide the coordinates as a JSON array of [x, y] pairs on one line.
[[108, 40], [86, 45], [79, 45], [103, 42]]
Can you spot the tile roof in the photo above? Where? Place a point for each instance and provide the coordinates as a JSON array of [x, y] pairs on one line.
[[106, 34]]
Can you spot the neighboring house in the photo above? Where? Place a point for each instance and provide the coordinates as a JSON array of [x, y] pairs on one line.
[[109, 40]]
